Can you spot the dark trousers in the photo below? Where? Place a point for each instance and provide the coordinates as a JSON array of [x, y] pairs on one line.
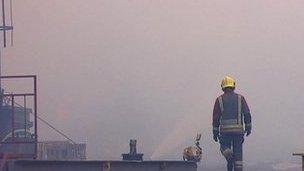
[[232, 150]]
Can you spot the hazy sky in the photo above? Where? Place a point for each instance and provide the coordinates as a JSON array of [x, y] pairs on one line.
[[111, 70]]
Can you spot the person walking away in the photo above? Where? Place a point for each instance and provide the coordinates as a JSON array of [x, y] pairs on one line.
[[231, 120]]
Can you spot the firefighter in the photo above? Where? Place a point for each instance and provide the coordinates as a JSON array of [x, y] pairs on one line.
[[231, 120]]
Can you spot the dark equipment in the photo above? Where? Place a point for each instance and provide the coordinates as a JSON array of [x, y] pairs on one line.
[[18, 123], [133, 155]]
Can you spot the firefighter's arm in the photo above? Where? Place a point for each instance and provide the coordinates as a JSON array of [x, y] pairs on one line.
[[247, 116], [216, 120]]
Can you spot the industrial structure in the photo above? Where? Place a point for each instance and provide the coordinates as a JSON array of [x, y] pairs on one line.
[[18, 123], [20, 132], [19, 147], [133, 155]]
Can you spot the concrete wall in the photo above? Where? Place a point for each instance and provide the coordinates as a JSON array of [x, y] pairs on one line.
[[41, 165]]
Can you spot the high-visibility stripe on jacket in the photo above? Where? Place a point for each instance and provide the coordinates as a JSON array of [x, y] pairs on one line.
[[232, 123], [230, 112]]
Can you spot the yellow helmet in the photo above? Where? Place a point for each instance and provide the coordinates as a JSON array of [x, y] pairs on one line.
[[228, 82]]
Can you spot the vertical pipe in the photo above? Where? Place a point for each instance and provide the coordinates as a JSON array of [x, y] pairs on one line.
[[3, 22], [11, 17], [24, 105], [35, 110], [13, 118], [0, 70]]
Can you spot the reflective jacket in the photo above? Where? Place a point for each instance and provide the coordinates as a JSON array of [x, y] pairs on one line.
[[230, 113]]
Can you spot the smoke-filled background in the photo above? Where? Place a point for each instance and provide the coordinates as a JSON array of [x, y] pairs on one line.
[[111, 70]]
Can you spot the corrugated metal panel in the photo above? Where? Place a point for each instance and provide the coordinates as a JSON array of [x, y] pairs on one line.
[[61, 150]]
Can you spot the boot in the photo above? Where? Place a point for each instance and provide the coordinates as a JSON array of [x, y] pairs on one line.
[[230, 166]]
